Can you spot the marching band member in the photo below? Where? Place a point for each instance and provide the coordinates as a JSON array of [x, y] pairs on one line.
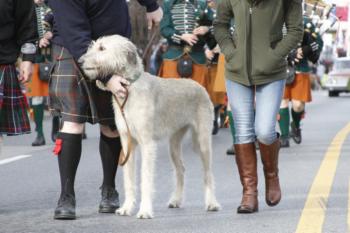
[[37, 89], [18, 33], [186, 26], [299, 91]]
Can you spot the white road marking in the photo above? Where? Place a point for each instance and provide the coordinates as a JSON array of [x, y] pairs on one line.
[[13, 159]]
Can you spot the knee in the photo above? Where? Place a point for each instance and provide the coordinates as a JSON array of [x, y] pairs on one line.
[[108, 131], [298, 106], [266, 136], [72, 127], [284, 103], [244, 135]]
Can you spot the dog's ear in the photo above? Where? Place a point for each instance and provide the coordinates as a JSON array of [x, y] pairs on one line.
[[132, 57]]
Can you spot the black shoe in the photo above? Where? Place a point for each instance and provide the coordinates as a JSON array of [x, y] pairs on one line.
[[215, 128], [295, 133], [55, 128], [110, 200], [231, 150], [39, 141], [65, 209], [284, 141]]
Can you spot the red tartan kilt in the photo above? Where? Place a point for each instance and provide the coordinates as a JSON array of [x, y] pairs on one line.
[[13, 105]]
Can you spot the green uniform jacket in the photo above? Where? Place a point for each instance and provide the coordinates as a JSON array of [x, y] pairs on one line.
[[204, 17], [256, 54]]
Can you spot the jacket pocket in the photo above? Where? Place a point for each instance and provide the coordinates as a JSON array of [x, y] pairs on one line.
[[270, 63], [234, 63], [275, 39]]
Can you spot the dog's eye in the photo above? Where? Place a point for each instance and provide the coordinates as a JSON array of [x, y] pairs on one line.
[[101, 48]]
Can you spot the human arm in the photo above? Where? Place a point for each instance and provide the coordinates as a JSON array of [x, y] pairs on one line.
[[26, 35], [154, 12], [26, 28], [294, 25], [222, 25], [167, 28]]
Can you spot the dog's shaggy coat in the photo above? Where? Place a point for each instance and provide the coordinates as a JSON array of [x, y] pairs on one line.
[[156, 109]]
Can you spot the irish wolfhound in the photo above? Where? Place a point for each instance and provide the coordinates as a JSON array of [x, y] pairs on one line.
[[155, 109]]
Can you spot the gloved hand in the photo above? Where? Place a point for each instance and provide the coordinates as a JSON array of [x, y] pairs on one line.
[[311, 48]]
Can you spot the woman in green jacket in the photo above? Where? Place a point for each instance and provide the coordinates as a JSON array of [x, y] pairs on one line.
[[255, 77]]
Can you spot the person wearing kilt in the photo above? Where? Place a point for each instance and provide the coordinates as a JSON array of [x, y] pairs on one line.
[[76, 24], [186, 25], [18, 33], [37, 89], [299, 91]]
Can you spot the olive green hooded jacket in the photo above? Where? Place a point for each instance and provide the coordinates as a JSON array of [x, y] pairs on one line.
[[256, 52]]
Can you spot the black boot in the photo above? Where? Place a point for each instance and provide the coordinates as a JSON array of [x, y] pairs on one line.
[[68, 150], [55, 127], [216, 118], [110, 200], [295, 133], [284, 141], [39, 140], [109, 150]]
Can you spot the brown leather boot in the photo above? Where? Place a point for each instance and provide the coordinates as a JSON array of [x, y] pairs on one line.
[[247, 166], [269, 158]]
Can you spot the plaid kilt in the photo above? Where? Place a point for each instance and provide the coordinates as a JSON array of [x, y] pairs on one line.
[[13, 105], [75, 98]]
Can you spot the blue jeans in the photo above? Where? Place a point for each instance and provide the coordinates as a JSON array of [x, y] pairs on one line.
[[259, 122]]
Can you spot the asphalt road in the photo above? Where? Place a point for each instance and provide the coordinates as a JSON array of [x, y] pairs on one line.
[[29, 186]]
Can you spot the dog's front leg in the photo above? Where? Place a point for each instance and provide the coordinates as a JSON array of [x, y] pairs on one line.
[[148, 154], [129, 187]]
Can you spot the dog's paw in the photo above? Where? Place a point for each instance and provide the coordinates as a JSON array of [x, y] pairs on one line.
[[144, 214], [213, 207], [124, 211], [174, 204]]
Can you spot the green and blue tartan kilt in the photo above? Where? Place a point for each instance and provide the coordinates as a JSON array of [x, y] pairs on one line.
[[75, 98], [13, 104]]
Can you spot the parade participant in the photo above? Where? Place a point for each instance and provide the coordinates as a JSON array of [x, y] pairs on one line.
[[256, 72], [36, 88], [18, 34], [299, 91], [76, 24], [186, 26]]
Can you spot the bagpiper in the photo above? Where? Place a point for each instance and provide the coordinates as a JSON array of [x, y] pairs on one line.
[[299, 90], [187, 26]]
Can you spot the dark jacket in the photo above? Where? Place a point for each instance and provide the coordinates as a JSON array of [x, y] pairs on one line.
[[17, 27], [256, 53], [78, 22]]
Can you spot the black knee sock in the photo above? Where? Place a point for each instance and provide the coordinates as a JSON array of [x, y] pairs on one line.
[[297, 118], [69, 154], [109, 150]]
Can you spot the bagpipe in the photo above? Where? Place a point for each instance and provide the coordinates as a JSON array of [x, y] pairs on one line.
[[319, 17]]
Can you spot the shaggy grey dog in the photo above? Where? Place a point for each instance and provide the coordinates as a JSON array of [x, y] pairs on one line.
[[155, 109]]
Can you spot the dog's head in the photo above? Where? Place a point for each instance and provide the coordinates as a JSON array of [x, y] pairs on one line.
[[111, 55]]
